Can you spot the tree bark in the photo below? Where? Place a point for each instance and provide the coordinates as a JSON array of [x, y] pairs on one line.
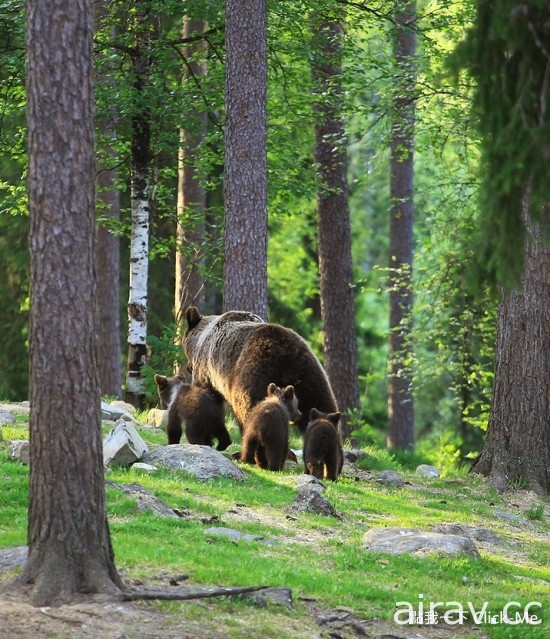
[[400, 392], [333, 223], [191, 204], [245, 175], [69, 545], [141, 157], [517, 449]]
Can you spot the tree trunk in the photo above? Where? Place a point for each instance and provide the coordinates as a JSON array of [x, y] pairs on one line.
[[333, 223], [108, 289], [400, 395], [245, 189], [517, 449], [141, 157], [69, 545], [191, 204]]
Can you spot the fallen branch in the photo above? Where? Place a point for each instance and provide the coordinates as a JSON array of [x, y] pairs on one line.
[[183, 594]]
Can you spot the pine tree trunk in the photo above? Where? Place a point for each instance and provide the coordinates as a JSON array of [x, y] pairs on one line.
[[333, 223], [141, 157], [517, 449], [191, 204], [69, 545], [245, 178], [400, 395]]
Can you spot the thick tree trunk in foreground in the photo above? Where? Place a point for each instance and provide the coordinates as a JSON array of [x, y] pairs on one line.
[[517, 449], [191, 204], [245, 179], [400, 394], [333, 223], [69, 545]]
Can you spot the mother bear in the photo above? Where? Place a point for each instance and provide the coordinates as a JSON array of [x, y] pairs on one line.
[[240, 355]]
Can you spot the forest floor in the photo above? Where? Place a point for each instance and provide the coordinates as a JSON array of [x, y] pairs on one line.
[[96, 618]]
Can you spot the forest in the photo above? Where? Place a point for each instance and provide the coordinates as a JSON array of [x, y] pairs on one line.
[[387, 181]]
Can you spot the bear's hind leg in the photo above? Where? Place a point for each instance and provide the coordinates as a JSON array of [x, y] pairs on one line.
[[173, 428], [248, 451]]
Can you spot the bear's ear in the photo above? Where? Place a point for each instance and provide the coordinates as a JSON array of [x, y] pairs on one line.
[[193, 317], [289, 392], [272, 389], [161, 381], [335, 418], [314, 414]]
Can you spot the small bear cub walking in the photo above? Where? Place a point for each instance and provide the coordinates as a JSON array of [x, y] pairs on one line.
[[265, 439], [200, 408], [323, 454]]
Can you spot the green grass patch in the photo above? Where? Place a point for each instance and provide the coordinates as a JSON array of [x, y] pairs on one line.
[[320, 558]]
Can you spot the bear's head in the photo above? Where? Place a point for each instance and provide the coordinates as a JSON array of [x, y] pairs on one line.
[[287, 397], [168, 388], [332, 418]]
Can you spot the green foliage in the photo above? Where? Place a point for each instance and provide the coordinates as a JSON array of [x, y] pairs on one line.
[[506, 52]]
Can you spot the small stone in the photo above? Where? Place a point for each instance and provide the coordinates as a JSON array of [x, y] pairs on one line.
[[390, 478], [123, 445], [148, 468], [158, 418], [274, 596], [399, 541], [7, 417], [20, 450], [236, 535], [427, 471]]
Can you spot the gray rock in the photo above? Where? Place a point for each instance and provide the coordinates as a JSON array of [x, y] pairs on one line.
[[427, 471], [158, 418], [274, 596], [236, 535], [13, 557], [390, 478], [20, 450], [148, 468], [123, 407], [145, 499], [398, 541], [123, 445], [311, 500], [201, 461], [353, 455], [308, 481], [6, 416], [21, 408], [515, 520], [472, 532], [111, 413]]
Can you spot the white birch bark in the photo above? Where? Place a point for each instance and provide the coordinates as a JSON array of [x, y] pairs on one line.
[[139, 274]]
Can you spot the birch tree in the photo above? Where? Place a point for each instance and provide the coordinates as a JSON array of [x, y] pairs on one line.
[[141, 158]]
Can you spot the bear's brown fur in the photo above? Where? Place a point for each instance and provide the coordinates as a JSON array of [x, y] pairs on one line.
[[199, 408], [323, 454], [265, 439], [239, 355]]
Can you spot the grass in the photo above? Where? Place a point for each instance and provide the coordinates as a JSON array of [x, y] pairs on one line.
[[318, 557]]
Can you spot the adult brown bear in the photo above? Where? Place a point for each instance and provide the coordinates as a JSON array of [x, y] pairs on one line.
[[239, 355]]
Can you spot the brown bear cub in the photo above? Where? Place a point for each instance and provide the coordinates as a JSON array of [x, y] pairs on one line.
[[265, 439], [323, 454], [199, 408]]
